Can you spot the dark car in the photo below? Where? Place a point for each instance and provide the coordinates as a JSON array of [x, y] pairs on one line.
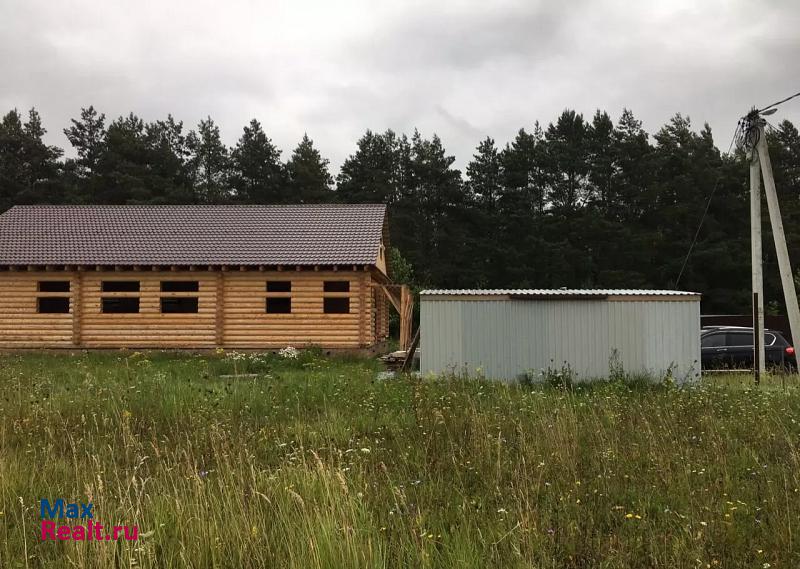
[[731, 347]]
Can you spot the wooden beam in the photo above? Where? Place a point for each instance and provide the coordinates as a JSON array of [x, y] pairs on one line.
[[77, 308], [219, 315], [362, 308], [395, 301], [410, 352]]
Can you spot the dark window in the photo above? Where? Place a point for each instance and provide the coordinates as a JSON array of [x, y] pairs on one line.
[[179, 305], [337, 286], [279, 305], [121, 286], [120, 305], [180, 286], [713, 341], [740, 339], [279, 286], [53, 305], [770, 339], [53, 286], [336, 305]]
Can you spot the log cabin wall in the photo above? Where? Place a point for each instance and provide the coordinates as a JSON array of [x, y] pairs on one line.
[[21, 324], [149, 328], [248, 325], [231, 310]]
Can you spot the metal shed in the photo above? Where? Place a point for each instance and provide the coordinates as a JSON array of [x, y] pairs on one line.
[[503, 334]]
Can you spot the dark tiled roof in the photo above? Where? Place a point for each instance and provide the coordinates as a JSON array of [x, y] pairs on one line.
[[192, 235]]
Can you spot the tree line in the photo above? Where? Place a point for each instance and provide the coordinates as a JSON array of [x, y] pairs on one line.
[[581, 202]]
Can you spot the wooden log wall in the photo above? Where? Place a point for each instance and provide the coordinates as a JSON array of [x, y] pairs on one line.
[[231, 311], [20, 324], [248, 326]]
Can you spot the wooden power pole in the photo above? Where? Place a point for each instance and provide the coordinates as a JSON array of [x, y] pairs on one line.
[[756, 258], [761, 163]]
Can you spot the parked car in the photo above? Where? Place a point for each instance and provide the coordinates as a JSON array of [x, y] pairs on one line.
[[731, 347]]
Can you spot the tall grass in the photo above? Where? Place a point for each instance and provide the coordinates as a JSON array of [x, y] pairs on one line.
[[313, 464]]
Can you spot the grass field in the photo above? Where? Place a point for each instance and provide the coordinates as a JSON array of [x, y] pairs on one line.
[[312, 464]]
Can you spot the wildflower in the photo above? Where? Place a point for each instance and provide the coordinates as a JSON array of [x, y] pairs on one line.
[[289, 353], [126, 414]]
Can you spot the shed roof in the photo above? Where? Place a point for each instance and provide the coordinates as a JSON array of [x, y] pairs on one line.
[[192, 235], [558, 293]]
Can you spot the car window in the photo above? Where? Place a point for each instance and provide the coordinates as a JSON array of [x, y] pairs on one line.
[[769, 339], [712, 341], [739, 339]]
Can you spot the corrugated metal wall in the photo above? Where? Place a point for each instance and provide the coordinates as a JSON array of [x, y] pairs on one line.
[[505, 338]]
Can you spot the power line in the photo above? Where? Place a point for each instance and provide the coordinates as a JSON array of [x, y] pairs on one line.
[[744, 133], [708, 205], [779, 102]]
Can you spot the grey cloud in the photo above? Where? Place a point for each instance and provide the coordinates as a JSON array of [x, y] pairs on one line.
[[461, 69]]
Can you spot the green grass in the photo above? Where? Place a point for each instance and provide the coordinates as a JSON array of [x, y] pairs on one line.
[[312, 464]]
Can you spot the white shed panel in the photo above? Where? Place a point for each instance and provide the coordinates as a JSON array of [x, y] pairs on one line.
[[503, 334]]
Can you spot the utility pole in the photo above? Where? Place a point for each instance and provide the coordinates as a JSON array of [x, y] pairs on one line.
[[756, 262], [784, 266]]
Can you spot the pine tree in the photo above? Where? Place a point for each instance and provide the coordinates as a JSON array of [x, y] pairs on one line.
[[485, 174], [209, 163], [601, 160], [567, 161], [257, 174], [309, 179], [29, 168], [168, 155], [377, 172], [87, 136]]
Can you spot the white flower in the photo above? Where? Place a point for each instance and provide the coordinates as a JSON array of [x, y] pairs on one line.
[[289, 353]]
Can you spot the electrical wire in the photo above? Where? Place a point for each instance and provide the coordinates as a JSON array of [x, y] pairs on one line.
[[789, 98], [736, 135], [746, 135]]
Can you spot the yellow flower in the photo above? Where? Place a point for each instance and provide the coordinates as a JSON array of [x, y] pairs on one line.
[[126, 414]]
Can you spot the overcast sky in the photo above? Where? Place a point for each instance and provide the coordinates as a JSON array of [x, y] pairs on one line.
[[462, 69]]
